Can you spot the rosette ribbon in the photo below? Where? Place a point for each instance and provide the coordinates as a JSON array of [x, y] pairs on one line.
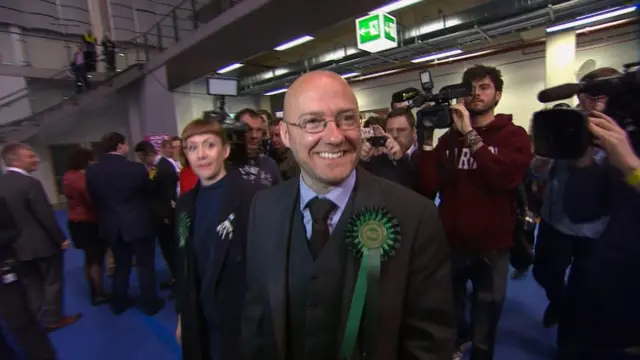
[[184, 223], [373, 235]]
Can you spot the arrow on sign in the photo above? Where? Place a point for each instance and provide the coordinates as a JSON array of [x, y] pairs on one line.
[[371, 30]]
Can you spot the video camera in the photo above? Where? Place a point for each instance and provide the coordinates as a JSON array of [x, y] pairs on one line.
[[235, 132], [562, 133], [436, 116]]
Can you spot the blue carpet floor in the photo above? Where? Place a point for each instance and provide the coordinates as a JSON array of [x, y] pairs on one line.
[[101, 336]]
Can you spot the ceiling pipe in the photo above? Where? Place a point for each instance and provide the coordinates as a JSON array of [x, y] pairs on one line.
[[506, 21]]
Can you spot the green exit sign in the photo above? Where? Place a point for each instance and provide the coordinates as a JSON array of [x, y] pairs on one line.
[[376, 32]]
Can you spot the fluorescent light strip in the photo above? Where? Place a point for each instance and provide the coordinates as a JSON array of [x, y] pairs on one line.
[[436, 56], [396, 5], [602, 26], [231, 67], [590, 19], [274, 92], [293, 43], [465, 56], [350, 75], [383, 73]]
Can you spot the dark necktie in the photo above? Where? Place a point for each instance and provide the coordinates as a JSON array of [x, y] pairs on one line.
[[320, 210]]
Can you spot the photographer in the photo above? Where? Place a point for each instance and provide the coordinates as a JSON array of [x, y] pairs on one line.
[[561, 243], [607, 315], [476, 167], [14, 310], [258, 169], [397, 160]]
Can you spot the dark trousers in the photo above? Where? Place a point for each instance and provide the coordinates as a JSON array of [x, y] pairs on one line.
[[555, 251], [22, 325], [166, 239], [488, 275], [43, 281], [144, 251], [82, 80]]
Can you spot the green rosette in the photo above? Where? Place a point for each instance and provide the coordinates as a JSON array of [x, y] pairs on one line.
[[184, 223], [373, 235]]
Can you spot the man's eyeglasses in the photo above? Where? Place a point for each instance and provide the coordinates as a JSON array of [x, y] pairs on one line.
[[316, 125]]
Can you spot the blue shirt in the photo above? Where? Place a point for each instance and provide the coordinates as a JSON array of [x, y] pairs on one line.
[[553, 205], [339, 195]]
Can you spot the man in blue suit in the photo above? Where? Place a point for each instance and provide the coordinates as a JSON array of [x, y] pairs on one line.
[[120, 190]]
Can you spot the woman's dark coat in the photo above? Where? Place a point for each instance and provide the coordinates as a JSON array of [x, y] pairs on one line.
[[229, 274]]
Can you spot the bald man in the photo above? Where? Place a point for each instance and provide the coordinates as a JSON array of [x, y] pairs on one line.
[[315, 286]]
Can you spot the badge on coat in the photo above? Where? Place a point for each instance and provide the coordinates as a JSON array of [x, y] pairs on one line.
[[225, 229]]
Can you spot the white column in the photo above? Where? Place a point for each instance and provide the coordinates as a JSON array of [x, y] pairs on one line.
[[560, 60], [98, 26], [17, 47]]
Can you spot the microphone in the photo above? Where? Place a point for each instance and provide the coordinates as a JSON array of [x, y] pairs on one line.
[[559, 92], [405, 95]]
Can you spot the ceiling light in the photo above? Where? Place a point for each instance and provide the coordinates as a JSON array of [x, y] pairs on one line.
[[592, 18], [349, 75], [436, 56], [293, 43], [382, 73], [465, 56], [231, 67], [396, 5], [602, 26], [279, 91]]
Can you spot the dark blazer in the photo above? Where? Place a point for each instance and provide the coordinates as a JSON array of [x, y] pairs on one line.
[[229, 276], [416, 292], [165, 185], [40, 235], [121, 190], [401, 172], [9, 232]]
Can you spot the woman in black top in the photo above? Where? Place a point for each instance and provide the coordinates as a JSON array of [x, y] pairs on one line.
[[211, 223]]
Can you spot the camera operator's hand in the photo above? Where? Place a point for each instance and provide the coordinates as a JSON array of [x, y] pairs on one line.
[[392, 148], [366, 151], [614, 140], [461, 118]]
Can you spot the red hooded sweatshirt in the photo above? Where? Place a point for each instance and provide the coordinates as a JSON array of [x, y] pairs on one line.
[[477, 199]]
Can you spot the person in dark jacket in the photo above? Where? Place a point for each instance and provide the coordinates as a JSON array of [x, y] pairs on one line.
[[14, 305], [164, 186], [212, 221], [607, 313]]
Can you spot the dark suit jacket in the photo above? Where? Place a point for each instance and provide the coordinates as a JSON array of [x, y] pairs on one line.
[[229, 276], [402, 172], [164, 189], [9, 232], [417, 320], [40, 235], [121, 190]]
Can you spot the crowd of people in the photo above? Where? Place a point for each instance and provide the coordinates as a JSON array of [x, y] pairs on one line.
[[324, 241]]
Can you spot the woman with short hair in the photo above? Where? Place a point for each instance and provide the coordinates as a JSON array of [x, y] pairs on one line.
[[212, 221]]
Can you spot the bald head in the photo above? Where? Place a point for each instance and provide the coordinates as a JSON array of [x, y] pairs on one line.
[[322, 128], [312, 82]]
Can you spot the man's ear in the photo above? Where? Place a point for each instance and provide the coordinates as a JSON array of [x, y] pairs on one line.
[[498, 95], [284, 134]]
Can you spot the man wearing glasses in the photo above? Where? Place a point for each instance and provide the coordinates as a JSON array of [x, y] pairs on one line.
[[320, 244]]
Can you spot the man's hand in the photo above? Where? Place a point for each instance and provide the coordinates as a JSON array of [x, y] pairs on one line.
[[392, 148], [366, 151], [179, 331], [65, 244], [614, 140], [461, 118]]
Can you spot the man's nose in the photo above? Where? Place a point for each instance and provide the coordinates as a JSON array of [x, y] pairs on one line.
[[333, 134]]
